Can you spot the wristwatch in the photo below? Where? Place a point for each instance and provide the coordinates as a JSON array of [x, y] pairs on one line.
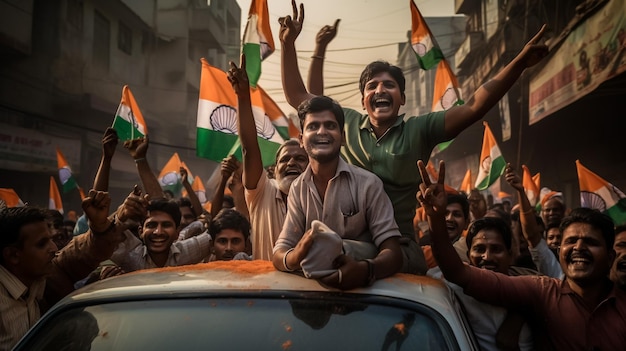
[[371, 276]]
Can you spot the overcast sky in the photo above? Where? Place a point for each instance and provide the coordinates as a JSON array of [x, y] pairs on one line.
[[369, 30]]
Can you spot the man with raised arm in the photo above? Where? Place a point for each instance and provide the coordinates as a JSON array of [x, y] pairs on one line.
[[266, 198], [585, 311], [390, 144]]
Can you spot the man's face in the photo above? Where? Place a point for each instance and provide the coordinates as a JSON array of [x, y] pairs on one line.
[[552, 211], [584, 257], [290, 163], [382, 97], [186, 217], [34, 257], [553, 238], [455, 221], [60, 235], [321, 136], [618, 272], [488, 251], [159, 232], [227, 244]]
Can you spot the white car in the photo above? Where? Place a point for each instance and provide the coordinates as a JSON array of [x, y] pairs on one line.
[[248, 305]]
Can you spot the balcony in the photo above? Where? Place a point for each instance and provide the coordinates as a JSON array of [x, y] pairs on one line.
[[466, 6]]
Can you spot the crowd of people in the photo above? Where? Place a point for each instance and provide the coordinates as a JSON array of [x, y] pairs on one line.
[[339, 205]]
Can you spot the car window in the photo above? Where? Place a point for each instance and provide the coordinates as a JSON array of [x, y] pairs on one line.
[[242, 324]]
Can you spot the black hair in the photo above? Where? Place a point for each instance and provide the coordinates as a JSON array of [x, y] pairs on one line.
[[230, 200], [620, 229], [12, 220], [319, 104], [184, 202], [594, 218], [168, 206], [375, 68], [229, 218], [290, 142], [460, 199], [494, 223]]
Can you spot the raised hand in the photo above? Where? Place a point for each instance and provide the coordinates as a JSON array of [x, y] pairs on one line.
[[138, 148], [512, 178], [238, 77], [184, 176], [109, 142], [534, 51], [96, 206], [229, 165], [327, 33], [291, 26], [432, 196], [134, 207]]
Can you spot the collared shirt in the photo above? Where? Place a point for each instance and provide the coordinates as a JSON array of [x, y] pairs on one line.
[[19, 308], [267, 214], [355, 206], [133, 255], [393, 157], [569, 322], [545, 260]]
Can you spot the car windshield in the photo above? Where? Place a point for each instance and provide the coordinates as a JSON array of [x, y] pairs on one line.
[[243, 324]]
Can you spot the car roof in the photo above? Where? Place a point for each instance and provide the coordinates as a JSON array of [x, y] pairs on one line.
[[251, 276]]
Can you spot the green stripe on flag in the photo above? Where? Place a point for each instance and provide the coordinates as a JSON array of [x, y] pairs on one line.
[[69, 185], [496, 170], [253, 62], [125, 130], [215, 146], [430, 59], [617, 212]]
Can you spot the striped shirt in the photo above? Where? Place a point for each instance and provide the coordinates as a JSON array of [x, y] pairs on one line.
[[19, 307]]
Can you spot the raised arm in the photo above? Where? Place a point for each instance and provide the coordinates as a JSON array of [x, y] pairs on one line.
[[530, 229], [109, 143], [252, 162], [236, 188], [486, 96], [433, 198], [138, 148], [293, 86], [228, 166], [196, 206], [316, 69]]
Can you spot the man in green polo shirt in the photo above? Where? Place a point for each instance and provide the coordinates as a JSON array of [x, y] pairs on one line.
[[389, 144]]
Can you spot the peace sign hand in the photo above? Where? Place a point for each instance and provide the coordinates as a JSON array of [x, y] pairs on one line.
[[432, 196]]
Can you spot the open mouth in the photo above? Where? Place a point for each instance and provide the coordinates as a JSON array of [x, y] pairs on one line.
[[381, 103], [621, 266], [579, 261]]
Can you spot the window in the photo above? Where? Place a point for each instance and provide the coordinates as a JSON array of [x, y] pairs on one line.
[[124, 38], [101, 40]]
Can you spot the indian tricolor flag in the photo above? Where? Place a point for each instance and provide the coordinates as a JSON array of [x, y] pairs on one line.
[[9, 198], [601, 195], [65, 173], [169, 178], [530, 187], [257, 39], [466, 184], [422, 41], [217, 131], [446, 92], [54, 200], [129, 122], [492, 164]]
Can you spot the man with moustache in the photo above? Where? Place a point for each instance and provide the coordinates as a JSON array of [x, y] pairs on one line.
[[585, 311], [388, 143], [266, 198], [349, 200]]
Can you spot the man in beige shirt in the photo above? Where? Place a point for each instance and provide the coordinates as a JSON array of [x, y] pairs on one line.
[[33, 276]]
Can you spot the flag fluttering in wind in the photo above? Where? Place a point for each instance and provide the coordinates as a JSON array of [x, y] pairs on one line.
[[169, 178], [422, 41], [54, 200], [258, 43], [9, 198], [601, 195], [65, 173], [128, 122], [217, 131], [492, 164], [537, 180], [446, 92], [530, 187], [466, 184]]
